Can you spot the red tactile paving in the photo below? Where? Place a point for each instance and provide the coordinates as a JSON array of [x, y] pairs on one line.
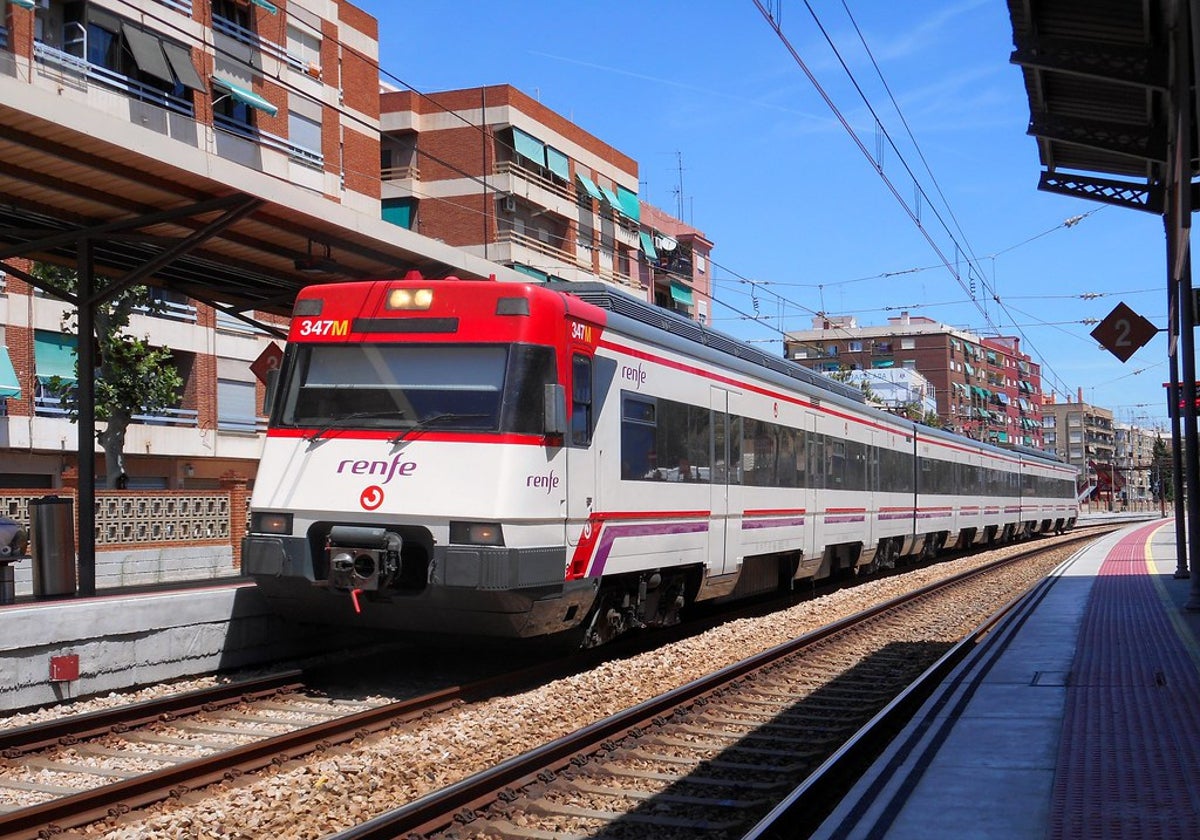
[[1129, 760]]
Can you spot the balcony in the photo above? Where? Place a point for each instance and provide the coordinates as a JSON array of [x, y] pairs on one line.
[[534, 187], [80, 73]]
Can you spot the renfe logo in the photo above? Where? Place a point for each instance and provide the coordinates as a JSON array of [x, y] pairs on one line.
[[392, 468], [634, 374], [548, 481]]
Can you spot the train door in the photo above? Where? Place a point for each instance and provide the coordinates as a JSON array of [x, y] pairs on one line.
[[722, 542], [582, 445]]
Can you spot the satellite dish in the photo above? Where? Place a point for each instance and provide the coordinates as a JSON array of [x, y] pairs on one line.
[[665, 243]]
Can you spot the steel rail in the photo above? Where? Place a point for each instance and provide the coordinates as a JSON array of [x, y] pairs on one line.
[[64, 813], [804, 808], [70, 730], [440, 809]]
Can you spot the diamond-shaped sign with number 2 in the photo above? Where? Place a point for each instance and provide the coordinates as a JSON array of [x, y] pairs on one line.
[[1124, 332]]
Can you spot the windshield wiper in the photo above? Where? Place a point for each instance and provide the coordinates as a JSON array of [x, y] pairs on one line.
[[434, 418], [344, 418]]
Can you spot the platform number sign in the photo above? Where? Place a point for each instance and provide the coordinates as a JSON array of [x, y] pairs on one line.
[[1124, 332], [268, 360]]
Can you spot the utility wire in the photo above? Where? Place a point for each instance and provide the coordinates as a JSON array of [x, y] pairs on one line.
[[914, 216]]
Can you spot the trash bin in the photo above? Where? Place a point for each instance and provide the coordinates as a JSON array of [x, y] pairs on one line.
[[8, 580], [52, 544]]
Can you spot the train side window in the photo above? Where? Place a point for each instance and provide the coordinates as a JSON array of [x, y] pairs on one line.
[[581, 400], [639, 460]]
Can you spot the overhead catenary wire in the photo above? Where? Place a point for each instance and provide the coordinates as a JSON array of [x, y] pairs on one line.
[[912, 212]]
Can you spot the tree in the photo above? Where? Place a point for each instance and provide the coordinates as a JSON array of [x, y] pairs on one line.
[[1161, 471], [846, 375], [132, 377]]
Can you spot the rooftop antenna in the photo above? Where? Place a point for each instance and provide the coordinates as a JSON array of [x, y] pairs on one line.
[[679, 188]]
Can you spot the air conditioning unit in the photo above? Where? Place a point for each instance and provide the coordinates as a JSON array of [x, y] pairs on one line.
[[510, 204]]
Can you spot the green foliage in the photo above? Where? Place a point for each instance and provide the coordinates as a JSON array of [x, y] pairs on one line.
[[1162, 471], [131, 376]]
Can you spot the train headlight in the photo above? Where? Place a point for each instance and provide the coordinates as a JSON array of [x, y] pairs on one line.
[[410, 299], [476, 533], [271, 523]]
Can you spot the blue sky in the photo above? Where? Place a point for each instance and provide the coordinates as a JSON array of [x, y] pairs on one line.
[[706, 97]]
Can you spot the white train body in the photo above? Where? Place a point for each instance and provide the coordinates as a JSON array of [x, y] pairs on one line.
[[513, 460]]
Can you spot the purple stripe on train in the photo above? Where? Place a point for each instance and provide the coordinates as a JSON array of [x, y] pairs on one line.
[[612, 533], [787, 522]]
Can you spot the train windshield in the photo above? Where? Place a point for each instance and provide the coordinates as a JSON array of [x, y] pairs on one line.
[[465, 387]]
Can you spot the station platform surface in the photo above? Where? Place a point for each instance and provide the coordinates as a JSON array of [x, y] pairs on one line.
[[1078, 717]]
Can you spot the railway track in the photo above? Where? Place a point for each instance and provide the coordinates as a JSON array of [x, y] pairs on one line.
[[185, 742], [249, 726], [713, 756]]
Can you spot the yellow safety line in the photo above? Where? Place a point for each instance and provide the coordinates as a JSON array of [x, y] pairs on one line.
[[1181, 627]]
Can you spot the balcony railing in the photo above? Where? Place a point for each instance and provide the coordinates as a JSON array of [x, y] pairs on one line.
[[264, 138], [400, 173], [184, 6], [87, 72], [169, 310], [533, 244], [47, 406], [508, 167]]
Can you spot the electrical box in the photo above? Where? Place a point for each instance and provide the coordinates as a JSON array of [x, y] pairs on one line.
[[64, 668]]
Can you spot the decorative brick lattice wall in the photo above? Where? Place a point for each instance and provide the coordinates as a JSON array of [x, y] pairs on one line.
[[143, 519]]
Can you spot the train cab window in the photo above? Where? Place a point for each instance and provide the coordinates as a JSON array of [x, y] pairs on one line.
[[530, 369], [581, 400]]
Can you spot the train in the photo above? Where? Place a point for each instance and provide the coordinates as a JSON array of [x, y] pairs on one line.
[[496, 459]]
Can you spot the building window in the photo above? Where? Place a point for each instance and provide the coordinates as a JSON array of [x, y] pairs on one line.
[[235, 12], [305, 134], [304, 47], [908, 343], [831, 350], [236, 406], [233, 114], [855, 346]]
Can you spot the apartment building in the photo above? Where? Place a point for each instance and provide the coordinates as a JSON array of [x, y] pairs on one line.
[[1133, 458], [280, 101], [986, 388], [496, 173], [283, 95], [1081, 434]]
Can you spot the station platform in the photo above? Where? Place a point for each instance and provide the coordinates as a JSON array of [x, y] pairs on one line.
[[1076, 717]]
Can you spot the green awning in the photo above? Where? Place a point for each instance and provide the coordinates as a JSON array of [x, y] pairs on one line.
[[956, 344], [681, 293], [529, 147], [611, 198], [9, 386], [557, 163], [589, 186], [883, 363], [54, 355], [629, 203], [648, 245], [541, 276], [24, 4], [263, 4], [245, 96]]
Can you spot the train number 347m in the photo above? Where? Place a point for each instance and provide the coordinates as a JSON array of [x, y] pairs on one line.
[[323, 326]]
